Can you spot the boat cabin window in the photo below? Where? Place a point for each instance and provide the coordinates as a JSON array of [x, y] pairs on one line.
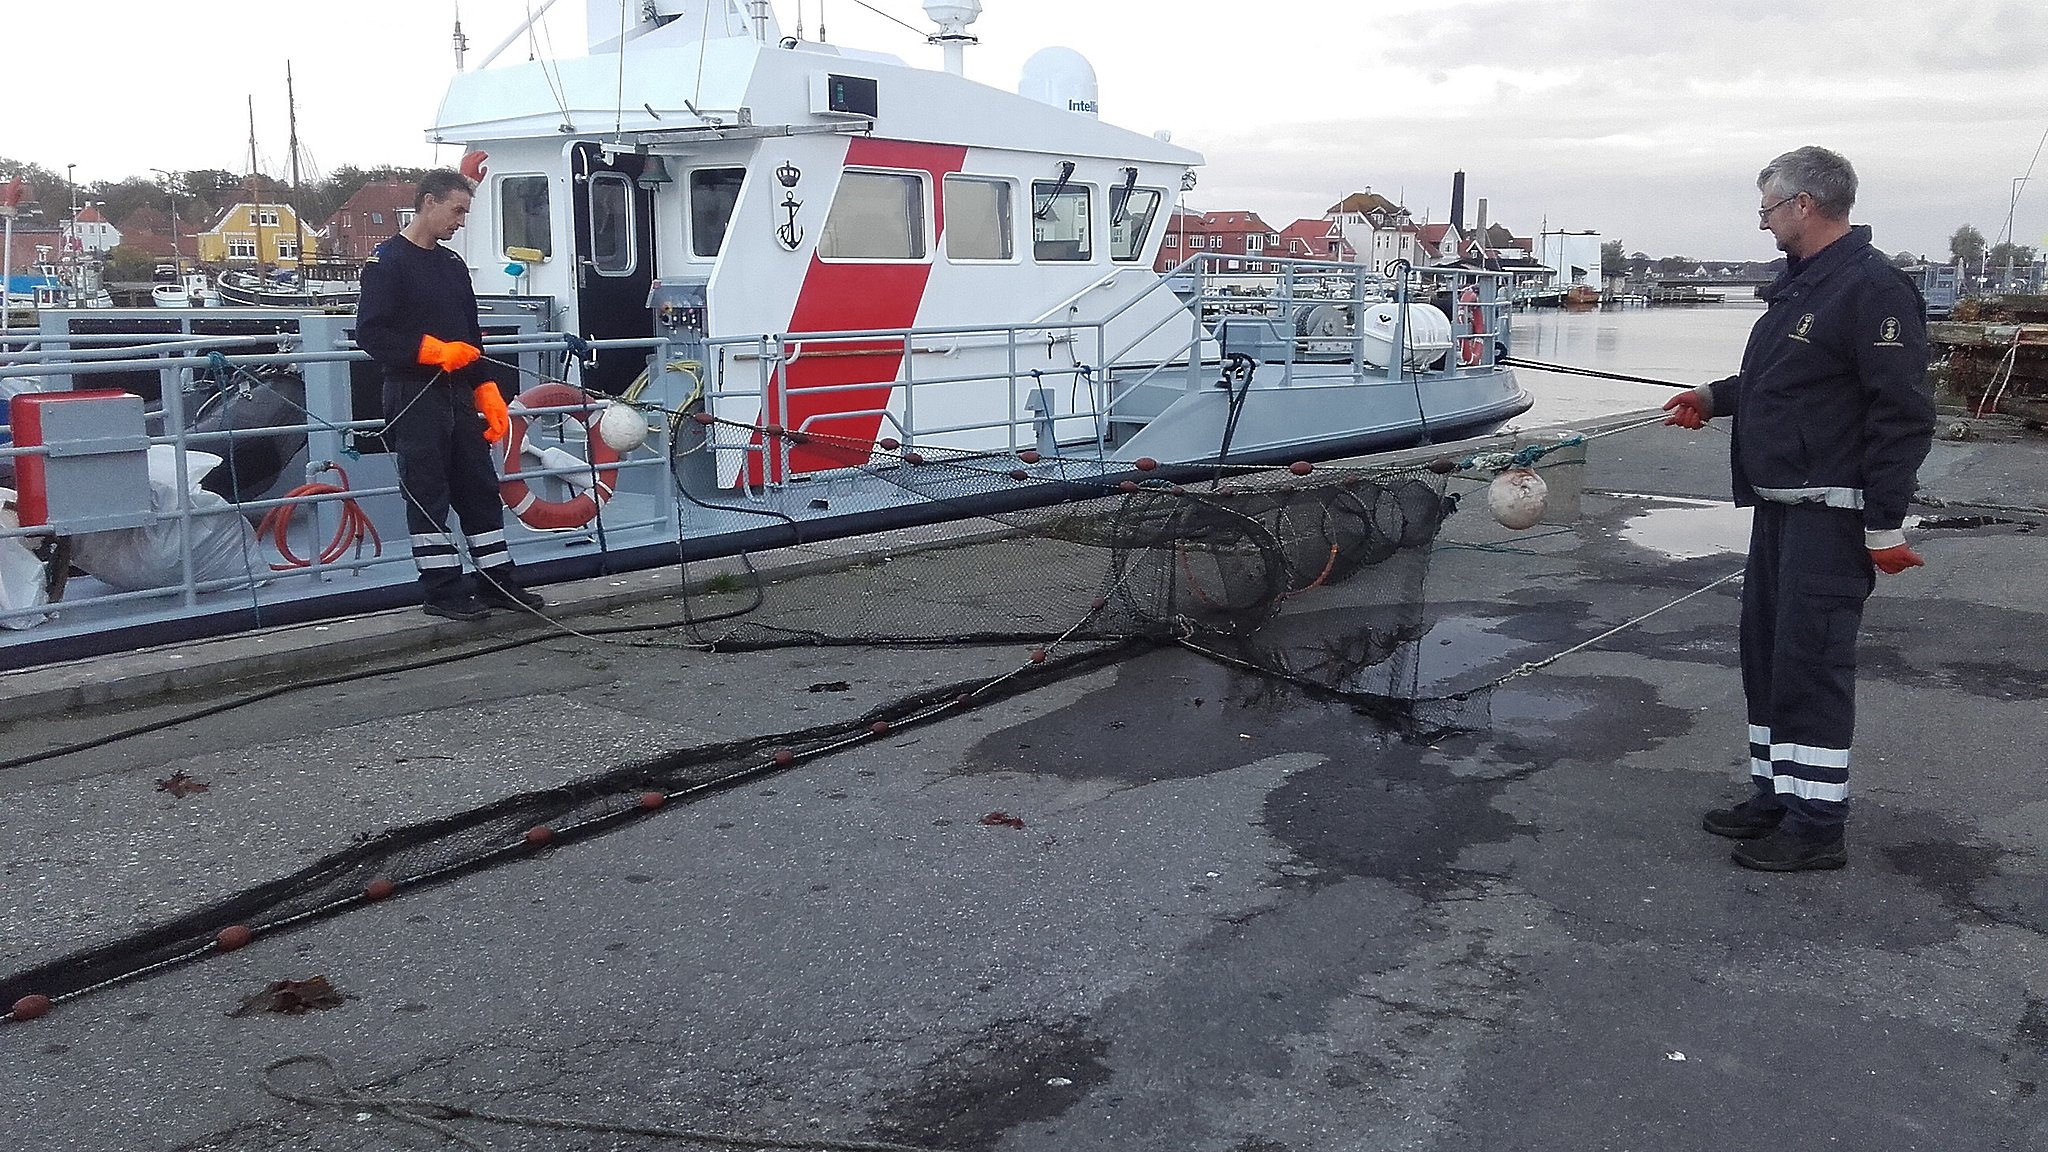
[[523, 214], [1060, 229], [714, 192], [979, 223], [611, 223], [875, 216], [1130, 221]]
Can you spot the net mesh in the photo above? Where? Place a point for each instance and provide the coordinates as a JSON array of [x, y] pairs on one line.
[[1310, 577]]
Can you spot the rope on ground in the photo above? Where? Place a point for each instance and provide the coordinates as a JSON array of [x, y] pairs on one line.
[[433, 1116]]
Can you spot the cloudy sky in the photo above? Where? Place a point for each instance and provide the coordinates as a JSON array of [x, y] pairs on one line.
[[1644, 120]]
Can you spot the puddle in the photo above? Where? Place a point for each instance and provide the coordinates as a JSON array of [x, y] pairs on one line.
[[1457, 646], [1512, 707], [1690, 530]]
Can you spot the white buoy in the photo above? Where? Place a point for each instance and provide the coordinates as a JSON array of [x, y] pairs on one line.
[[621, 427], [1516, 497]]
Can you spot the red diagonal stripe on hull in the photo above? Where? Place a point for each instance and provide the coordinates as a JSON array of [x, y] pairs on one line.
[[846, 297]]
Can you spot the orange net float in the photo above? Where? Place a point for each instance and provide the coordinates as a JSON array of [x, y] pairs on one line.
[[582, 508]]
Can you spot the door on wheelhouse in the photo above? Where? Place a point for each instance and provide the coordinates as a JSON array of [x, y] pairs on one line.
[[614, 262]]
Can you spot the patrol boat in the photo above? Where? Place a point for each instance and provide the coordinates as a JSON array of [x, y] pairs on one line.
[[741, 289]]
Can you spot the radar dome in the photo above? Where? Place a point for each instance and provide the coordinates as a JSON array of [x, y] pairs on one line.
[[1062, 78]]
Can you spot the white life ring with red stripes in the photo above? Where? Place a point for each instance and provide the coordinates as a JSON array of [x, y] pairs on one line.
[[581, 508]]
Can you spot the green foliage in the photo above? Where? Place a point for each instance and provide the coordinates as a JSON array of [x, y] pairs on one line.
[[2007, 254], [1966, 244], [119, 199], [127, 262], [1613, 262], [45, 196]]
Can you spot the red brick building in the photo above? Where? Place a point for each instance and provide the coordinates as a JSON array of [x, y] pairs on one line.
[[373, 215], [1316, 239], [149, 230], [1236, 234]]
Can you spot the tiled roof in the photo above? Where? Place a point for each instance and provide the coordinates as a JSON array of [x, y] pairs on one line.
[[1362, 202]]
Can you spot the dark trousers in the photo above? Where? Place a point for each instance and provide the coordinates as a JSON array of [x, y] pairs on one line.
[[443, 463], [1802, 602]]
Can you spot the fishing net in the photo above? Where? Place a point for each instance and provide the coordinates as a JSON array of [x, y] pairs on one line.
[[1310, 578]]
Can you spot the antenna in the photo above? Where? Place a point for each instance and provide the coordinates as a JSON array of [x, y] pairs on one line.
[[953, 17], [460, 41]]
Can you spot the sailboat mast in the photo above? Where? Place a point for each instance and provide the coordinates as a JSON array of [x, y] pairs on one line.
[[298, 224], [256, 186]]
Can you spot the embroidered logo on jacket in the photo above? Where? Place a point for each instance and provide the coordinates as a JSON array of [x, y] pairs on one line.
[[1800, 329], [1888, 333]]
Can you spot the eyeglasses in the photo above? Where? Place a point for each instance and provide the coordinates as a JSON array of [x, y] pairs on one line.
[[1764, 213]]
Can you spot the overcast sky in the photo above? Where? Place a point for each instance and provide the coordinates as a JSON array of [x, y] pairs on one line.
[[1644, 120]]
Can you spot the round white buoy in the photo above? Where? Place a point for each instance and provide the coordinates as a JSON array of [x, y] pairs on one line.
[[621, 427], [1516, 497]]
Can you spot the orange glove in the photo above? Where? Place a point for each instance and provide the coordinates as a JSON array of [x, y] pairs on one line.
[[1895, 559], [490, 404], [1688, 410], [448, 355]]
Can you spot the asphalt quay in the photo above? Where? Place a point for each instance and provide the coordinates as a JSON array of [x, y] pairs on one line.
[[1217, 914]]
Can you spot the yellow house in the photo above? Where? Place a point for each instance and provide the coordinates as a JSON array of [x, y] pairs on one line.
[[266, 232]]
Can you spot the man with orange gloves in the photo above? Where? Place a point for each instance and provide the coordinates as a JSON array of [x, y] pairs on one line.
[[417, 319], [1833, 416]]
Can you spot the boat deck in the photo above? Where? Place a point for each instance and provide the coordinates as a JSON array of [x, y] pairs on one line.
[[1216, 915]]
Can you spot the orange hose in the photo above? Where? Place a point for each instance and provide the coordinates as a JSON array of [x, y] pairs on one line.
[[355, 524]]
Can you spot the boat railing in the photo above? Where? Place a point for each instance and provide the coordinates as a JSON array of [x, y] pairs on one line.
[[180, 362]]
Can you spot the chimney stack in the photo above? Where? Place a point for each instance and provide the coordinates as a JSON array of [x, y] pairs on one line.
[[1479, 224], [1458, 201]]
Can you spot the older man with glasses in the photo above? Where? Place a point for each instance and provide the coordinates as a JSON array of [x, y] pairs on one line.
[[1832, 417]]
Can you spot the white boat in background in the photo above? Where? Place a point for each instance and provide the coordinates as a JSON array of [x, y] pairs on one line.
[[190, 290], [822, 271]]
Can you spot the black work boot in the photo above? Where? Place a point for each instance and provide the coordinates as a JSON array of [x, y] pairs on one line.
[[463, 607], [1787, 851], [1748, 820], [504, 592]]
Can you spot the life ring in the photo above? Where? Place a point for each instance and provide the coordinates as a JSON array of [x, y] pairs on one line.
[[1471, 349], [580, 509]]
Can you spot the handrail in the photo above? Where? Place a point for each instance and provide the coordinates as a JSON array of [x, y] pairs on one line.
[[1103, 281]]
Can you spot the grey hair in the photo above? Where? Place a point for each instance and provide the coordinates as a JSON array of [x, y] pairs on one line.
[[1826, 176]]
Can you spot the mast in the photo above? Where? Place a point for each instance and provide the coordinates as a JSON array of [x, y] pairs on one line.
[[298, 223], [256, 187]]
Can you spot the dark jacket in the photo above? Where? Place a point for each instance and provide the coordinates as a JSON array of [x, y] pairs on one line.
[[410, 292], [1832, 405]]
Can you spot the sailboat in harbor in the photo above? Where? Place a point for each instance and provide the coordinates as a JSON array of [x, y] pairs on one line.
[[307, 283]]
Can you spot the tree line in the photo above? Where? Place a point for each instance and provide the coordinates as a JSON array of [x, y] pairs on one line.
[[1966, 246], [198, 193]]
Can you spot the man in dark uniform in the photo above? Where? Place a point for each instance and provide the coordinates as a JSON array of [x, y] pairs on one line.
[[1833, 416], [417, 319]]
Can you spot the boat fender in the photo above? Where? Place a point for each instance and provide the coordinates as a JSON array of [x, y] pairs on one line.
[[582, 508], [622, 427], [1516, 498]]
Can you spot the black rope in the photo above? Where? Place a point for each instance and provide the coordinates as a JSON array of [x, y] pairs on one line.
[[1518, 362], [433, 1115]]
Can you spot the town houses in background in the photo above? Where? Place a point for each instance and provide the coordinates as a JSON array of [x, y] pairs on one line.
[[1370, 228]]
